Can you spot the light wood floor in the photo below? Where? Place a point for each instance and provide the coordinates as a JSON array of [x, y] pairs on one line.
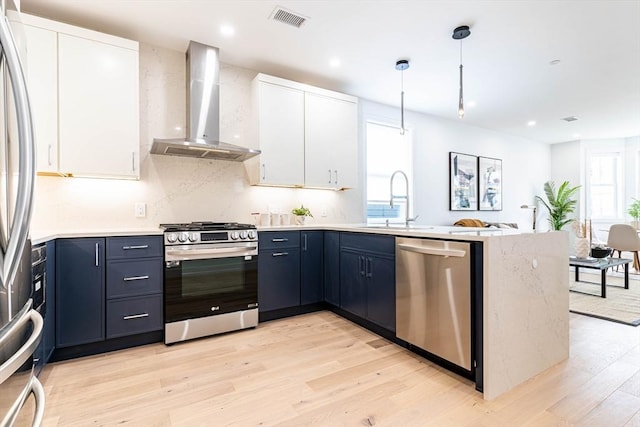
[[320, 369]]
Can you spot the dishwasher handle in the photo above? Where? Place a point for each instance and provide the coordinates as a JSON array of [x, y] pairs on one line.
[[458, 253]]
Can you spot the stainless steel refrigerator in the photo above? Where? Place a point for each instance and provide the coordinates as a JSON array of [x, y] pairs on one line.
[[21, 394]]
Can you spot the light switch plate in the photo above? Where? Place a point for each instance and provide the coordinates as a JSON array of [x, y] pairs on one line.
[[140, 210]]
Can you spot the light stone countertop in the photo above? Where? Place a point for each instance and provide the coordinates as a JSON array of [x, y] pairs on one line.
[[42, 236]]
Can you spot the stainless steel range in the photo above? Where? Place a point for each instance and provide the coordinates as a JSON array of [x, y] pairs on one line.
[[210, 279]]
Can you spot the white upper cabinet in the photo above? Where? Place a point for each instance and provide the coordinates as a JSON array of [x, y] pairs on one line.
[[42, 78], [307, 135], [84, 91], [279, 129], [331, 138]]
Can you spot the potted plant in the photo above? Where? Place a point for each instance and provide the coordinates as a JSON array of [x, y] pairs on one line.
[[559, 203], [634, 212], [300, 214]]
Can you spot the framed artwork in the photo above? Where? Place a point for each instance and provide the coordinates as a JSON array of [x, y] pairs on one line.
[[463, 182], [490, 177]]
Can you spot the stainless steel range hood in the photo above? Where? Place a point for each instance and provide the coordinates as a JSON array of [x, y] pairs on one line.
[[203, 112]]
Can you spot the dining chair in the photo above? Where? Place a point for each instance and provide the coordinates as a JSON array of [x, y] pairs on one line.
[[623, 237]]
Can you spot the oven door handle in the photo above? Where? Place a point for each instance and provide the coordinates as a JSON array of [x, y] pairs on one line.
[[189, 254]]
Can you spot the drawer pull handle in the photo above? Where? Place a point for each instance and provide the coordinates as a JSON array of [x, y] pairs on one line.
[[126, 248], [136, 316], [280, 254], [279, 240], [129, 279]]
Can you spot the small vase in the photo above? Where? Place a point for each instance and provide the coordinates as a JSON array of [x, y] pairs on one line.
[[300, 219], [582, 247]]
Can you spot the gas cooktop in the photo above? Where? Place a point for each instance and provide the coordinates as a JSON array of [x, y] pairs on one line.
[[206, 226]]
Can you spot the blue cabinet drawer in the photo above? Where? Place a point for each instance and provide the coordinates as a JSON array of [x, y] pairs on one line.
[[131, 278], [369, 243], [134, 247], [278, 239], [129, 316]]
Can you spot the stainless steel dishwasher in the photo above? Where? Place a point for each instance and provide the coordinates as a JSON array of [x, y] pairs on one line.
[[433, 297]]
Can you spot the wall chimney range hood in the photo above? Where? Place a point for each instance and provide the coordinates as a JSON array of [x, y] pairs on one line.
[[203, 112]]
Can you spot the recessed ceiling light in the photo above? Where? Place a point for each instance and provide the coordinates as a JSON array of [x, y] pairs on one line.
[[334, 62], [236, 136], [554, 62], [471, 104], [531, 123], [576, 135], [227, 30]]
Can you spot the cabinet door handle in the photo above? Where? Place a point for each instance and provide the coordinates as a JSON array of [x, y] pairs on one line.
[[361, 265], [368, 269], [264, 172], [133, 161], [280, 254], [279, 240], [97, 265], [336, 171], [135, 316], [329, 176], [127, 248], [304, 242], [132, 278], [49, 154]]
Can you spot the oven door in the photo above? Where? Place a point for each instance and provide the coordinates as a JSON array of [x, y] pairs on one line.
[[209, 279]]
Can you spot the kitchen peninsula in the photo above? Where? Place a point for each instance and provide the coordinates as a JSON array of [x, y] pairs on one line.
[[525, 303], [525, 299]]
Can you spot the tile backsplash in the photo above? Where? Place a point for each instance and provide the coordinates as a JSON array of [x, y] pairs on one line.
[[177, 189]]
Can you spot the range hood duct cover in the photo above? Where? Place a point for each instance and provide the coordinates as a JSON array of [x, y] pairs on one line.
[[203, 112]]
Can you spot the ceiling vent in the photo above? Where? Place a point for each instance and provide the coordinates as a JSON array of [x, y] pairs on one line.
[[288, 17], [570, 119]]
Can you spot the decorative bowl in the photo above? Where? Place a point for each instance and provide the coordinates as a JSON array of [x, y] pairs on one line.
[[600, 252]]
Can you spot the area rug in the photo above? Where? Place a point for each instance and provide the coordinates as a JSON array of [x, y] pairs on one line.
[[621, 305]]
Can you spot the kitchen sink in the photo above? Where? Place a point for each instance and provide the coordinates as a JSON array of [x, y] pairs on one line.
[[398, 227]]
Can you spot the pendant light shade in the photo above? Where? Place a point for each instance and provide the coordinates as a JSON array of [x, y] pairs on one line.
[[402, 65], [461, 33]]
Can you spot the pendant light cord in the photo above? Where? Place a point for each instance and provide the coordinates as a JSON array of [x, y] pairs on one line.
[[402, 102], [461, 96]]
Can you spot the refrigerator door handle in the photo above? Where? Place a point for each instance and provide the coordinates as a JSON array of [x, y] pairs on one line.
[[18, 233], [12, 364], [36, 388]]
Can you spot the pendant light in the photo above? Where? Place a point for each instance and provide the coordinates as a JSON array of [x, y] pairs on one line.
[[402, 65], [460, 33]]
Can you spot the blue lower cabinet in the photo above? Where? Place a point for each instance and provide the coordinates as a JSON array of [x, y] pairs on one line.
[[367, 278], [353, 290], [128, 316], [312, 261], [278, 279], [80, 291], [332, 267]]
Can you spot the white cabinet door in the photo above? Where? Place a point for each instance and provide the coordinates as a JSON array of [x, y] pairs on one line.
[[98, 108], [42, 82], [330, 142], [281, 135]]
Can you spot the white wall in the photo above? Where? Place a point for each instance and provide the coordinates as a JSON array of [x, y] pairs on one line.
[[184, 189], [525, 165]]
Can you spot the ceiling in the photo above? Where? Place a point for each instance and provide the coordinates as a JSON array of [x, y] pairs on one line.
[[507, 70]]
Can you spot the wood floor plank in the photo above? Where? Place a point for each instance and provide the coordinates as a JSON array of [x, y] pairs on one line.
[[320, 369]]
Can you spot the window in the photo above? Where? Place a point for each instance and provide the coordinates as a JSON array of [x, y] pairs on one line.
[[604, 200], [387, 152]]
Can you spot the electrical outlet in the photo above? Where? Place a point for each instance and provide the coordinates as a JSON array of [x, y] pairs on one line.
[[140, 210], [323, 211]]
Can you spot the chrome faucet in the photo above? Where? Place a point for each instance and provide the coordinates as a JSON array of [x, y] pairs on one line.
[[406, 196]]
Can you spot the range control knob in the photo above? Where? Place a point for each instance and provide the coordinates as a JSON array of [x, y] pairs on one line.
[[171, 237], [193, 237], [243, 234], [183, 237], [234, 235], [252, 234]]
